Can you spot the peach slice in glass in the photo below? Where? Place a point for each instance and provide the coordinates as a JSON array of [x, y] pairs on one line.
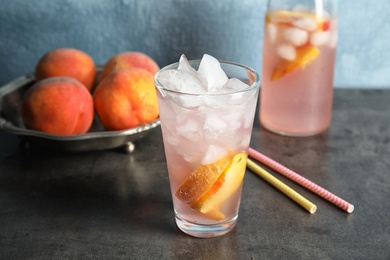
[[304, 56], [228, 183], [215, 214], [201, 181], [210, 185]]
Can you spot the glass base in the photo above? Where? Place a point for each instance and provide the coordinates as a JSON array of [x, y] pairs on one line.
[[294, 134], [205, 231]]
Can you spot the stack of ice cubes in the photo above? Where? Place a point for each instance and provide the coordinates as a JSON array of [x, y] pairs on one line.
[[210, 121], [209, 78]]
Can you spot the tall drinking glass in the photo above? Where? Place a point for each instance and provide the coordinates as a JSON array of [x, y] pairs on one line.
[[206, 140], [300, 38]]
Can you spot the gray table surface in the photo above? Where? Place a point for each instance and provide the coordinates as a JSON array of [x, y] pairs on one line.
[[109, 205]]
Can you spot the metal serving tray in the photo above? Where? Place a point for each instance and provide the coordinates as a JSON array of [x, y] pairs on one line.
[[96, 138]]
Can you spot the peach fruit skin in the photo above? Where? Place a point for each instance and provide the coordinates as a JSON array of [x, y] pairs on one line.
[[129, 60], [67, 62], [125, 99], [58, 105]]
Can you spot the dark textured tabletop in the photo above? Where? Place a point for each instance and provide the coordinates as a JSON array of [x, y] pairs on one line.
[[110, 205]]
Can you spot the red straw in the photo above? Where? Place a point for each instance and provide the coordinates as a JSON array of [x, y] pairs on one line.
[[301, 180]]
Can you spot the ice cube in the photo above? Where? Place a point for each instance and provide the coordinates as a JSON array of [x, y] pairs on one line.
[[286, 51], [191, 156], [189, 129], [319, 38], [185, 65], [181, 80], [234, 119], [212, 102], [272, 31], [185, 82], [296, 36], [191, 101], [211, 74], [305, 23], [214, 124], [213, 153], [234, 85]]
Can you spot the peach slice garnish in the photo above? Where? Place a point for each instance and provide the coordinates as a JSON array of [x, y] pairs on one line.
[[210, 185], [201, 181], [230, 181], [215, 214], [304, 56]]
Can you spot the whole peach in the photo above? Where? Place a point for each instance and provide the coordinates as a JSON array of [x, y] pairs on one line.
[[129, 60], [67, 62], [58, 105], [125, 99]]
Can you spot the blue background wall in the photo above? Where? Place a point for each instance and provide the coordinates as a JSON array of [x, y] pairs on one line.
[[164, 29]]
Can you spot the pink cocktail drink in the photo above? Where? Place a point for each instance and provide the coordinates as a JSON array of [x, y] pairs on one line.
[[206, 137], [297, 77]]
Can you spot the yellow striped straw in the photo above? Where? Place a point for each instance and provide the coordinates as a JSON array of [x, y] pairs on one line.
[[292, 194]]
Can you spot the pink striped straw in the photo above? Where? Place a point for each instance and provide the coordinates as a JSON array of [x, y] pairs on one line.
[[301, 180]]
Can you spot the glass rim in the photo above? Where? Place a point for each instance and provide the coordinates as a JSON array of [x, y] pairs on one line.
[[329, 5], [253, 86]]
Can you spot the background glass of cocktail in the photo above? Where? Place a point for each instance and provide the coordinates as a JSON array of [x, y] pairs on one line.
[[206, 139], [300, 38]]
